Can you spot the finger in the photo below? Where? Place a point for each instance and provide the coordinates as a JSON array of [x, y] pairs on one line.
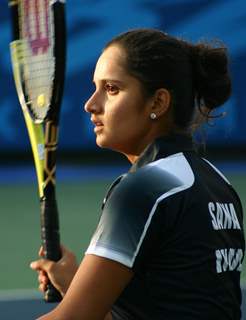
[[41, 252], [42, 264], [42, 287], [43, 273], [42, 279], [34, 265]]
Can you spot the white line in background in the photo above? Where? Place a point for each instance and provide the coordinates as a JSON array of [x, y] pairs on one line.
[[20, 294]]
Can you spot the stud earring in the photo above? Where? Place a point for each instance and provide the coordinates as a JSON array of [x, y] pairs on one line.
[[153, 116]]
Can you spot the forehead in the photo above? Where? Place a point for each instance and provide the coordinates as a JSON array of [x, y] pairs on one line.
[[110, 64]]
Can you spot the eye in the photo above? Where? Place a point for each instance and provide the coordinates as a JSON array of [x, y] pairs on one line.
[[111, 88]]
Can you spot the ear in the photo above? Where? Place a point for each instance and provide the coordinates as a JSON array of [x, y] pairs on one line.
[[161, 102]]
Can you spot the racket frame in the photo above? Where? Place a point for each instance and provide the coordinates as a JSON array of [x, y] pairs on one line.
[[44, 134]]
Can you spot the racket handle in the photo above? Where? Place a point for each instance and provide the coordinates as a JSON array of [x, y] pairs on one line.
[[52, 294], [50, 240]]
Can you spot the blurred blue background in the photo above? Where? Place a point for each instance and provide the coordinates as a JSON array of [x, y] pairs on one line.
[[91, 23], [80, 188]]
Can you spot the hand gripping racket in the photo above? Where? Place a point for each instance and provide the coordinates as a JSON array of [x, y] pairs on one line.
[[38, 61]]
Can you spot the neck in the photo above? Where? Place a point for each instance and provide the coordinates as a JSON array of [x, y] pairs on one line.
[[132, 157], [134, 153], [157, 131]]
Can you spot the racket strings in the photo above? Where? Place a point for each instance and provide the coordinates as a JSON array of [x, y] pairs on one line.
[[37, 56]]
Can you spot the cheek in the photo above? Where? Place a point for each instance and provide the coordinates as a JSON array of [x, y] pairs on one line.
[[127, 125], [129, 107], [116, 113], [126, 116]]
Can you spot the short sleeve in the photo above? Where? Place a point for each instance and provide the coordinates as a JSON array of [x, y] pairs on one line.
[[126, 225]]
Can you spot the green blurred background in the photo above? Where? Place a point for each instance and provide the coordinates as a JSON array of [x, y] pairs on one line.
[[79, 203]]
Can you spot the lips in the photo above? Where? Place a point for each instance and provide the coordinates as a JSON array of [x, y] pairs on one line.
[[98, 125]]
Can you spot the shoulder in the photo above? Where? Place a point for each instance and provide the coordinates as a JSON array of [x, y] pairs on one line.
[[162, 177], [130, 213]]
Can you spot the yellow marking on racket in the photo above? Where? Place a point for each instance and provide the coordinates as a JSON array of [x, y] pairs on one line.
[[35, 130], [36, 135], [41, 101]]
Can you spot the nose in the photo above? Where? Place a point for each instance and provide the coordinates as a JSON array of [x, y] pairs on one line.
[[92, 105]]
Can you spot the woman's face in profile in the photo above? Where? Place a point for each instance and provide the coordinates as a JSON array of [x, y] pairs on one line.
[[119, 110]]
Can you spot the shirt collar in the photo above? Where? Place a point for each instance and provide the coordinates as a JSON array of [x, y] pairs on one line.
[[163, 147]]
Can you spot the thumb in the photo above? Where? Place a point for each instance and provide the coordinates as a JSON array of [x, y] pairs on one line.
[[65, 252]]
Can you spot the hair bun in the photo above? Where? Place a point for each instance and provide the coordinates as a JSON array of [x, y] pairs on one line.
[[211, 75]]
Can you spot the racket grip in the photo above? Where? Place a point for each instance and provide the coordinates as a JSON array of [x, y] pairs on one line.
[[50, 241], [52, 295]]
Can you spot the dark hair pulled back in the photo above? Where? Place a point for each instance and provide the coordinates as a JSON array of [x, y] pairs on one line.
[[195, 74]]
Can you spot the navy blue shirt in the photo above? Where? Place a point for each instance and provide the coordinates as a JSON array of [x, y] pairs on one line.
[[176, 221]]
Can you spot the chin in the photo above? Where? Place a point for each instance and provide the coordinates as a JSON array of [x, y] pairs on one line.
[[107, 144], [102, 143]]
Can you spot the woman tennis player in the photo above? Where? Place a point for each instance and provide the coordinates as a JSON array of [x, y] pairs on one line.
[[170, 241]]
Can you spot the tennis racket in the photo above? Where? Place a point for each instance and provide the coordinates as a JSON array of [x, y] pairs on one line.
[[38, 60]]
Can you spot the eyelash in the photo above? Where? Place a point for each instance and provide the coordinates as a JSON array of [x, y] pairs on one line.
[[111, 89]]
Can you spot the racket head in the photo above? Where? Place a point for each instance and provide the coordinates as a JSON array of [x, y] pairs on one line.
[[38, 56]]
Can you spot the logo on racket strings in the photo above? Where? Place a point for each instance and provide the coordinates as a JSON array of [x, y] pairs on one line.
[[36, 15]]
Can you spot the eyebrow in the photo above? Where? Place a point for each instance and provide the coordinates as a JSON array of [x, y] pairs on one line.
[[109, 80]]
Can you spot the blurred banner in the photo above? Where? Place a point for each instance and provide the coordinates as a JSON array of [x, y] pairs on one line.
[[91, 23]]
